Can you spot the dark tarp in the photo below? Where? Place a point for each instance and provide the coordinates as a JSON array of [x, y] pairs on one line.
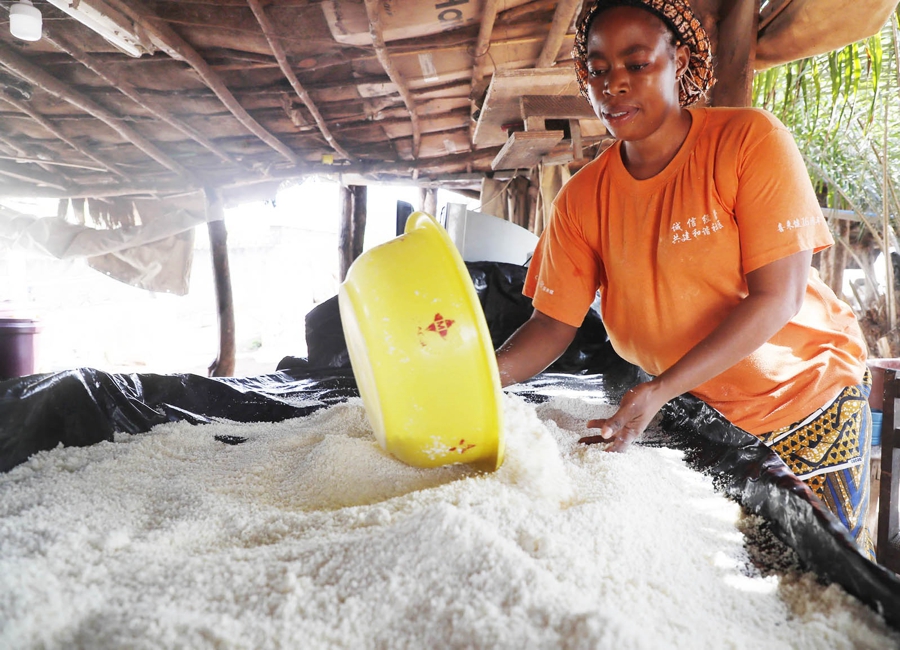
[[86, 406]]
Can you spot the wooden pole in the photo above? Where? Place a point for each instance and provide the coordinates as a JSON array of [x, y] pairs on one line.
[[223, 366], [178, 48], [735, 52], [288, 72], [345, 237], [518, 199], [562, 18], [428, 200], [360, 194], [493, 198], [483, 44], [373, 9], [833, 260]]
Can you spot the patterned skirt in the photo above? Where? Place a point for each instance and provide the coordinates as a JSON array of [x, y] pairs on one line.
[[829, 451]]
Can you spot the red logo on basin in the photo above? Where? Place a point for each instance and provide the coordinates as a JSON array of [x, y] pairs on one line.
[[440, 325]]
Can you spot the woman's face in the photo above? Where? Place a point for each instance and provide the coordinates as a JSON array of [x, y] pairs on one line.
[[633, 71]]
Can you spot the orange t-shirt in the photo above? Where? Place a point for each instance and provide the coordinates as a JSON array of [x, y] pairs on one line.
[[670, 255]]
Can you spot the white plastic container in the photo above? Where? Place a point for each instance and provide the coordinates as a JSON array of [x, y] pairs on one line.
[[485, 238]]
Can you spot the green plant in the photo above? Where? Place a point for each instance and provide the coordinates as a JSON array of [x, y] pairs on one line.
[[843, 108]]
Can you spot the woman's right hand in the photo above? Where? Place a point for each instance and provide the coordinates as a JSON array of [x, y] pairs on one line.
[[636, 410]]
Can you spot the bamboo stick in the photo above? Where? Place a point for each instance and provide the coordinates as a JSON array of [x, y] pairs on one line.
[[288, 72], [373, 10], [562, 18], [179, 49]]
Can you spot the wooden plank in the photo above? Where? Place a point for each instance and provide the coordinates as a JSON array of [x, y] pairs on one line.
[[501, 104], [559, 107], [525, 149]]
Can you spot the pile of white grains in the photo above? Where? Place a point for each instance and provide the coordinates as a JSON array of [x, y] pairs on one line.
[[307, 535]]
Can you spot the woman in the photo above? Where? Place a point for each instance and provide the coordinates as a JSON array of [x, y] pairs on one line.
[[698, 228]]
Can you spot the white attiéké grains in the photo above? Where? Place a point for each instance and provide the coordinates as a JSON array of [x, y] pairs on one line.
[[309, 536]]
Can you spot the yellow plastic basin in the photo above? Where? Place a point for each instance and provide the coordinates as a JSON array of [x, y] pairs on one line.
[[421, 351]]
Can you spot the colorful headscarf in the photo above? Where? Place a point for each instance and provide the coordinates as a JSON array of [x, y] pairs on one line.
[[677, 14]]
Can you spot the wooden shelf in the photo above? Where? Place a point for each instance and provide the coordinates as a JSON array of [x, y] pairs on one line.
[[525, 149]]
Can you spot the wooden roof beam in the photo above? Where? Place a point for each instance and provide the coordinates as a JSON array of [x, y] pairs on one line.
[[373, 10], [483, 44], [562, 18], [770, 12], [288, 72], [14, 170], [119, 82], [23, 155], [51, 128], [170, 42], [30, 72], [402, 169]]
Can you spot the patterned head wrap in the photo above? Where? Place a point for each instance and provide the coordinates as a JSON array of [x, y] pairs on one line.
[[677, 15]]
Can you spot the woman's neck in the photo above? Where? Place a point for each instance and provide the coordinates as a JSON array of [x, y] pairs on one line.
[[648, 157]]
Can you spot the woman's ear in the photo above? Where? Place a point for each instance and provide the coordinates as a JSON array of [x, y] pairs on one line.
[[682, 59]]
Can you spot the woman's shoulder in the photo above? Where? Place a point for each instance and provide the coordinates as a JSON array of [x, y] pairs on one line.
[[744, 120]]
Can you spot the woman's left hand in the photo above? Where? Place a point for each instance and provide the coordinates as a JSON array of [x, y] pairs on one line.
[[635, 412]]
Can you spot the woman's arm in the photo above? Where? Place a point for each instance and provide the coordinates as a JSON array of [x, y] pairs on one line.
[[775, 295], [535, 345]]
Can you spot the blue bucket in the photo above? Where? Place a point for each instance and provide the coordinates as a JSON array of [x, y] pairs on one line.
[[877, 417]]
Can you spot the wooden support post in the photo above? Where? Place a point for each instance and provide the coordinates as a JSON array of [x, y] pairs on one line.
[[534, 194], [552, 178], [353, 225], [493, 198], [577, 147], [518, 200], [345, 238], [833, 260], [735, 52], [223, 366], [360, 194], [428, 200]]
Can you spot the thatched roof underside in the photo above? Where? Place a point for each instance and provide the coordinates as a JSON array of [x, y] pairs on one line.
[[238, 93]]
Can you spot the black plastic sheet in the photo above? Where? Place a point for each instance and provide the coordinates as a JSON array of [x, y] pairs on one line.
[[85, 406], [762, 483], [499, 289]]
